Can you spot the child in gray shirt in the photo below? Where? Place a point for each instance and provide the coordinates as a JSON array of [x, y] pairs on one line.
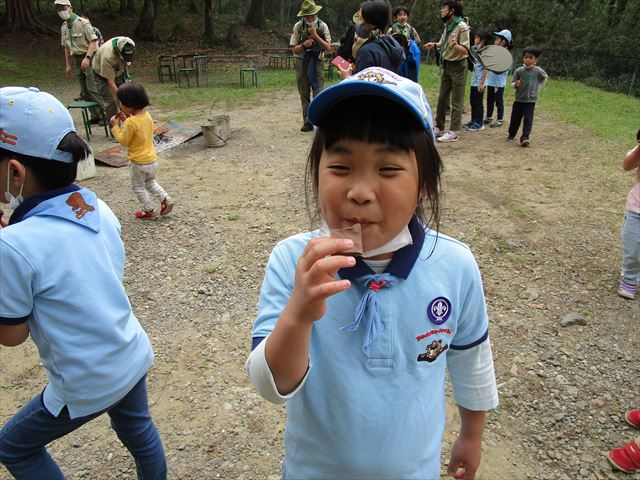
[[527, 80]]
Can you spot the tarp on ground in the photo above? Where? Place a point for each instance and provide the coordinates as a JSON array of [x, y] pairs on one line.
[[165, 136]]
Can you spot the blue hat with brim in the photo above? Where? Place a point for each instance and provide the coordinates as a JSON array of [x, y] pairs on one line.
[[33, 123], [375, 81], [506, 34]]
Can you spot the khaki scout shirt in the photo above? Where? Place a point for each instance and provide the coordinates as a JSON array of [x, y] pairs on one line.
[[301, 34], [461, 33], [77, 33], [106, 61]]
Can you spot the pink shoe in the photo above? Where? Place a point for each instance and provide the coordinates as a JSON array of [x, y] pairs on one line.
[[633, 418], [144, 215], [626, 458]]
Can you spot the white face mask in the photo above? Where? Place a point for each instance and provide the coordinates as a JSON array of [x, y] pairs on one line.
[[64, 14], [13, 202]]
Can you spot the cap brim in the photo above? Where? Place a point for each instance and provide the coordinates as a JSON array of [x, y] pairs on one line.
[[322, 104]]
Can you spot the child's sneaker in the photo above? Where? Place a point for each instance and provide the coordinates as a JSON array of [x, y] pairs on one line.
[[510, 138], [166, 205], [626, 458], [437, 132], [488, 120], [633, 418], [524, 142], [145, 215], [627, 290], [450, 136], [497, 123], [467, 125]]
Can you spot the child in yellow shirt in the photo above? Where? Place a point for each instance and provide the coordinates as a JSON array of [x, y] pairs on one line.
[[136, 134]]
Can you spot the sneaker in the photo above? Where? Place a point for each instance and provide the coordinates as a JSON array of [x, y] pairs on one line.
[[627, 290], [510, 138], [306, 127], [633, 418], [166, 205], [450, 136], [467, 125], [487, 120], [626, 458], [524, 142], [497, 123], [475, 127], [145, 215], [437, 132]]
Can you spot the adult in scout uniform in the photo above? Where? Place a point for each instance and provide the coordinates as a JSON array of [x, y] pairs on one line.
[[108, 69], [454, 49], [309, 40], [80, 43]]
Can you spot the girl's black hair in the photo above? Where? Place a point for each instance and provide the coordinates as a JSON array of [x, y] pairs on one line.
[[455, 5], [377, 13], [52, 174], [401, 8], [535, 51], [484, 34], [374, 119], [133, 95]]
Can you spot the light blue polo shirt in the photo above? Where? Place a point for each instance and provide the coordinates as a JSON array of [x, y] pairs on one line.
[[62, 268], [497, 80], [378, 414]]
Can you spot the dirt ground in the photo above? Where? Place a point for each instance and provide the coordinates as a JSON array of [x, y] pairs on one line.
[[543, 223]]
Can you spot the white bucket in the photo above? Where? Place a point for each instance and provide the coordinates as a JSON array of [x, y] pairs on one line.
[[86, 168], [216, 130]]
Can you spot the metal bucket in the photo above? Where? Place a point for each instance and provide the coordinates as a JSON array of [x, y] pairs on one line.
[[216, 130]]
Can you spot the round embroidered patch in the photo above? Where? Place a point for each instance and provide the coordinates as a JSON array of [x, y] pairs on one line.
[[439, 310]]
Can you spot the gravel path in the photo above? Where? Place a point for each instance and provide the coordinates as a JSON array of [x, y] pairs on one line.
[[546, 236]]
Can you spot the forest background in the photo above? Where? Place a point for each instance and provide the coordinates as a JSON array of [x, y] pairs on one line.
[[596, 42]]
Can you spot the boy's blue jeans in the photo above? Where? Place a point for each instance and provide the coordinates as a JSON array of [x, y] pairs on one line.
[[631, 247], [24, 437]]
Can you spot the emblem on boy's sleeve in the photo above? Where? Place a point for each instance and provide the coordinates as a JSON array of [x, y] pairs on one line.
[[78, 205], [434, 349], [439, 310]]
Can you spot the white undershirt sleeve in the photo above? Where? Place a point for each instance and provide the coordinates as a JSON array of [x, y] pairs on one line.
[[473, 378], [262, 378]]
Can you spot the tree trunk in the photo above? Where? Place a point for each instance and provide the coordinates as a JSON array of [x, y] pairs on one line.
[[20, 16], [126, 7], [144, 29], [255, 17], [281, 13], [193, 8], [207, 34]]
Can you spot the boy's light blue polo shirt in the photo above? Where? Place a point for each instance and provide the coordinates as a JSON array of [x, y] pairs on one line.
[[62, 269], [382, 415]]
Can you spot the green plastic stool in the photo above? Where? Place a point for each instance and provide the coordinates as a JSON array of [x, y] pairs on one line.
[[84, 107]]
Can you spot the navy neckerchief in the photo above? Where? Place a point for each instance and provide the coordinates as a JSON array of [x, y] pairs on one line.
[[367, 315], [34, 200]]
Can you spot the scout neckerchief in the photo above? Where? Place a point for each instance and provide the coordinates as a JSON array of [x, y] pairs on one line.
[[69, 22], [447, 30], [368, 311]]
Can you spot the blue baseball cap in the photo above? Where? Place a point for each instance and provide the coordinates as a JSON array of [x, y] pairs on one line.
[[375, 81], [506, 34], [33, 123]]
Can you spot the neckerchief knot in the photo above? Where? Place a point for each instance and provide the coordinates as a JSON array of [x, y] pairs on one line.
[[368, 308]]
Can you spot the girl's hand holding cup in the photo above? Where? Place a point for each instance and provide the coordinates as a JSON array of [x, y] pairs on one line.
[[315, 276]]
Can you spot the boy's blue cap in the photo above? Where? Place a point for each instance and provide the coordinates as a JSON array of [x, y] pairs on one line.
[[375, 81], [33, 123], [506, 34]]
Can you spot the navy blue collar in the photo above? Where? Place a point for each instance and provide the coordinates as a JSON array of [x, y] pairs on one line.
[[402, 262], [34, 200]]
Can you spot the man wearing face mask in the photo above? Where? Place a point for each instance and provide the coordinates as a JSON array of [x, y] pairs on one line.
[[309, 40], [80, 43], [109, 70], [454, 49]]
